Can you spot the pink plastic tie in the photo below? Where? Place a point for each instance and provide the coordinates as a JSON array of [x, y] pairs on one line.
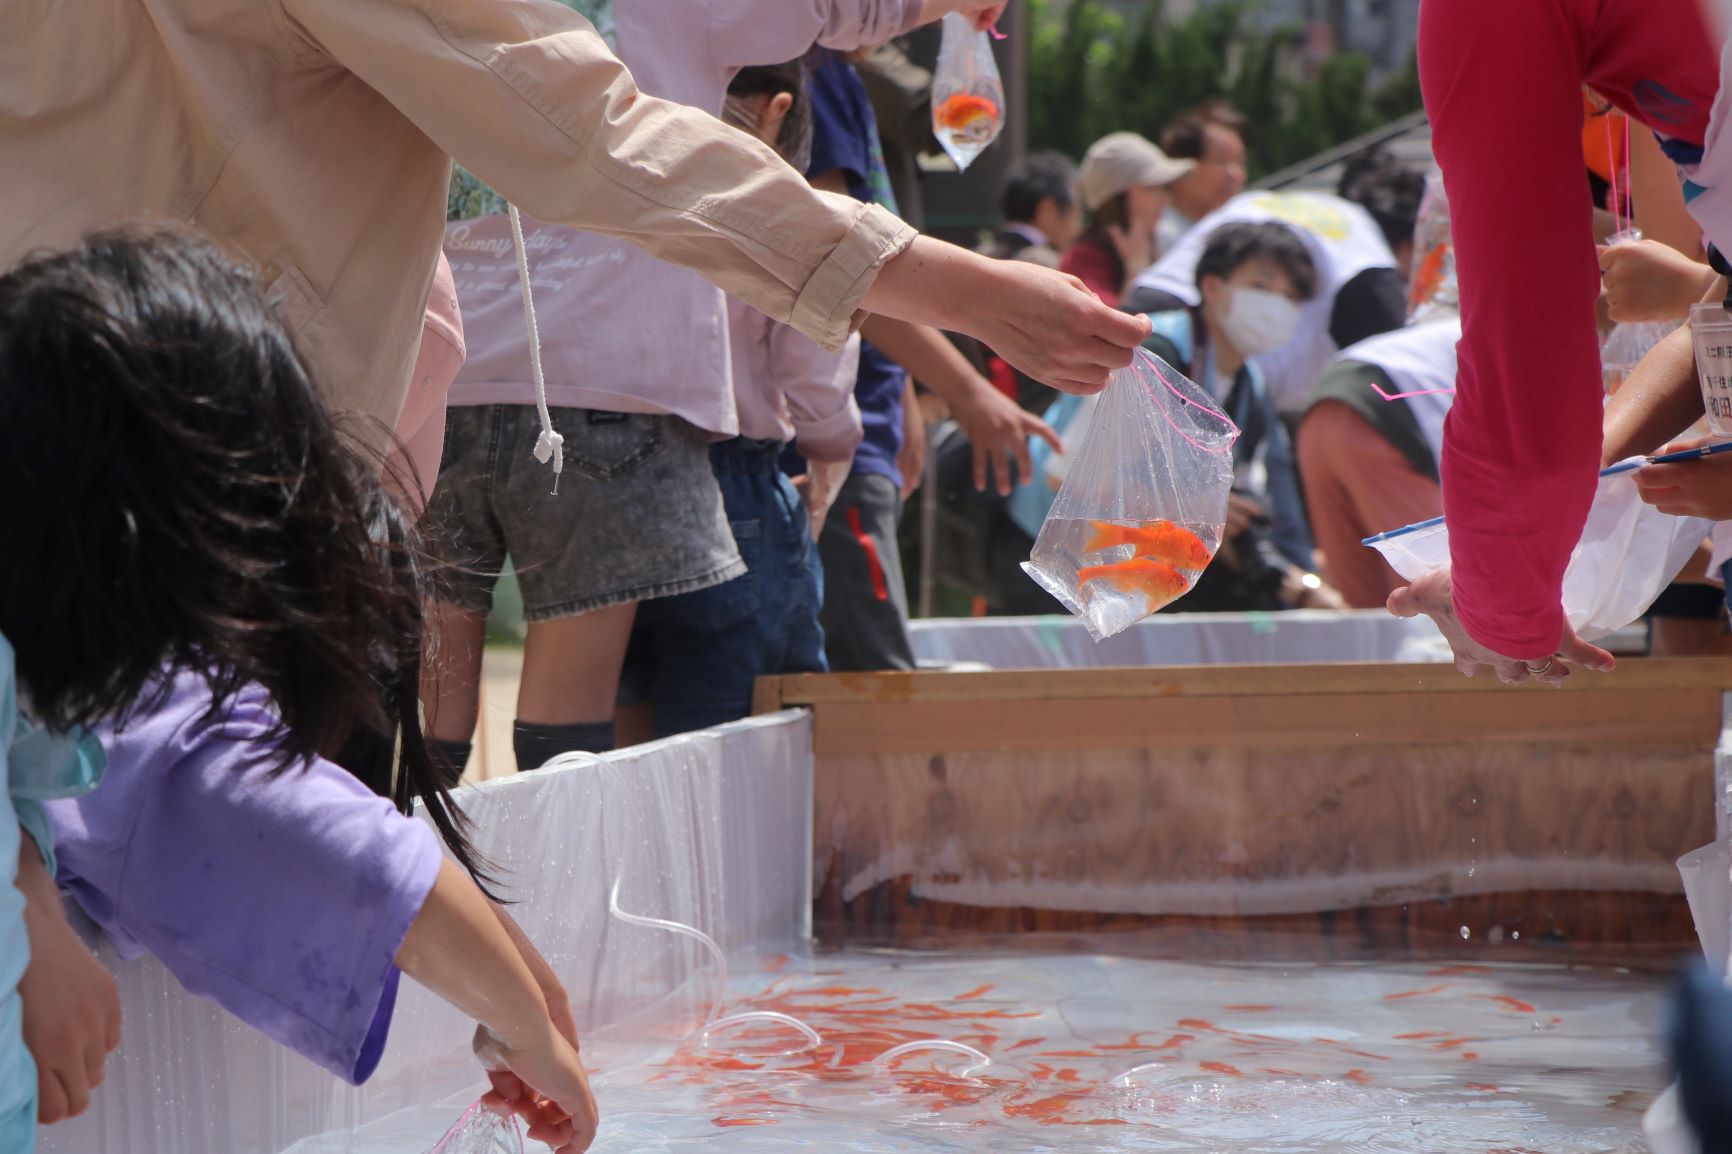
[[1184, 400], [1403, 396]]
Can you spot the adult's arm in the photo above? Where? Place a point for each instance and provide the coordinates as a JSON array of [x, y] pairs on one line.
[[1659, 198], [819, 388], [529, 98], [1522, 447], [997, 428], [1658, 400]]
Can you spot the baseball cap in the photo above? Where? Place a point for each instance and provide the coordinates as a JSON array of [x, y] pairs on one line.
[[1122, 161]]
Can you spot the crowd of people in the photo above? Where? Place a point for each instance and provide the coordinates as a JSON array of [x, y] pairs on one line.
[[288, 383]]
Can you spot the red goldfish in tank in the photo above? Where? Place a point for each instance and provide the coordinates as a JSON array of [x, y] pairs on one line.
[[1155, 540], [1160, 582]]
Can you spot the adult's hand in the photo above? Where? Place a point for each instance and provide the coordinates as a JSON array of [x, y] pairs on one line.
[[1649, 281], [1433, 595], [820, 486], [1045, 323], [998, 430], [1700, 488]]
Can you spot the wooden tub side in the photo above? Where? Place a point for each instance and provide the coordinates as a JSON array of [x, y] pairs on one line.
[[1338, 809]]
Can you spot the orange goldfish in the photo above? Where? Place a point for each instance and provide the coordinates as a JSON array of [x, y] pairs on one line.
[[1156, 580], [1156, 540], [967, 114]]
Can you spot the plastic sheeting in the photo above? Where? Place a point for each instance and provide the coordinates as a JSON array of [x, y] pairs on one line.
[[1296, 637], [710, 829]]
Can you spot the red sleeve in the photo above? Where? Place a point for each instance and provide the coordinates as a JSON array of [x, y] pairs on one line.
[[1090, 264], [1523, 439]]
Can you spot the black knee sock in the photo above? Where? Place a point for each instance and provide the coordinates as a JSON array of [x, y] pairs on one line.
[[450, 758], [536, 745]]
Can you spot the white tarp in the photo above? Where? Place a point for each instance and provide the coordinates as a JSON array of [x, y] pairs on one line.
[[1297, 637], [710, 829]]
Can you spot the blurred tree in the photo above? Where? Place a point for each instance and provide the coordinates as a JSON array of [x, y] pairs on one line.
[[1090, 74]]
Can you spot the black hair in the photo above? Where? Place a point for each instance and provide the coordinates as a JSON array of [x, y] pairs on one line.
[[1041, 176], [177, 497], [1233, 245], [1387, 189], [770, 80], [1186, 137]]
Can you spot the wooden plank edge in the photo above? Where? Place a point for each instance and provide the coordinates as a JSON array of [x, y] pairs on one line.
[[1362, 678]]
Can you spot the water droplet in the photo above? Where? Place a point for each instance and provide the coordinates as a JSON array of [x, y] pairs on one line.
[[1494, 935], [1470, 871], [1515, 935], [1466, 933]]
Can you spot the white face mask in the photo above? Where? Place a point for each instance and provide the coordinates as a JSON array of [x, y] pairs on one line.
[[1258, 321]]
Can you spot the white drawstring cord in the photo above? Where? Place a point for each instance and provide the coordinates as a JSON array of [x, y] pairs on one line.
[[550, 444]]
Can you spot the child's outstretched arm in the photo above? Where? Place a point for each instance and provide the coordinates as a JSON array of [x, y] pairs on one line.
[[71, 1007], [458, 948]]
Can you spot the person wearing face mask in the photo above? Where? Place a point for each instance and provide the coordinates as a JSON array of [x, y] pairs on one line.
[[1361, 290], [1213, 135], [1252, 279], [1125, 181]]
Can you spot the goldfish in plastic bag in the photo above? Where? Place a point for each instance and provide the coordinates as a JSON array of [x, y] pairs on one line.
[[1154, 540], [969, 116], [1158, 581]]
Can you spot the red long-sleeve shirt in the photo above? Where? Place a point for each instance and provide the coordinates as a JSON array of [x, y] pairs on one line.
[[1502, 82]]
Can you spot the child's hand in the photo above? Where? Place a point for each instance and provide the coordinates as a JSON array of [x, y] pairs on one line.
[[71, 1007], [545, 1085], [1700, 488]]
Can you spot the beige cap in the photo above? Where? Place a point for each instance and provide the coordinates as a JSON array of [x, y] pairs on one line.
[[1122, 161]]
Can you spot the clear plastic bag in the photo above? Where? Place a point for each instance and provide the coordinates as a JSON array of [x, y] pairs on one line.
[[1143, 505], [481, 1131], [1628, 342], [1628, 554], [967, 94]]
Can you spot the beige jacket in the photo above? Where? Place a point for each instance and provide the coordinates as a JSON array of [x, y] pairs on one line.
[[315, 136]]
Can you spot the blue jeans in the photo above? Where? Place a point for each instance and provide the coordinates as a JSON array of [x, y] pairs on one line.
[[696, 656]]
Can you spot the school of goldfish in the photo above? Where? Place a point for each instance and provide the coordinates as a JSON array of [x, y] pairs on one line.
[[1163, 553], [1079, 1061]]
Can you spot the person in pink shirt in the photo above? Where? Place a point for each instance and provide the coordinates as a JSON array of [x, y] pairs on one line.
[[695, 657], [637, 363], [1522, 442]]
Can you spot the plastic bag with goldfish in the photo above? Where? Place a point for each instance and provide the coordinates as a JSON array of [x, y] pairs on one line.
[[1143, 505], [967, 94], [481, 1131]]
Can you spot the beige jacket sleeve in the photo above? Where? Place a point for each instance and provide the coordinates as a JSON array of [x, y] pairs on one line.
[[527, 96]]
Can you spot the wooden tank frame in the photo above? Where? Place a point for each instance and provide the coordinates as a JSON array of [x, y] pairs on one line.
[[1306, 811]]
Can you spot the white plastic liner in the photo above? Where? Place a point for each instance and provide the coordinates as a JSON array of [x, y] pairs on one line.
[[1297, 637], [710, 829]]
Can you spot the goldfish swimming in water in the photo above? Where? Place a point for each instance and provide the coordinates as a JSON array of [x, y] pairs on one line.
[[1154, 540], [967, 115], [1158, 581]]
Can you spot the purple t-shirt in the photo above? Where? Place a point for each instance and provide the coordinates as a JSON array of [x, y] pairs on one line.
[[283, 899]]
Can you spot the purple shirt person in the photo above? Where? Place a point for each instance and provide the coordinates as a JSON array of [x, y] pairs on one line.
[[283, 898]]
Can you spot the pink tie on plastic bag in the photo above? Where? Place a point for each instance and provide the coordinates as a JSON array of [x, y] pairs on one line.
[[481, 1131], [1144, 504]]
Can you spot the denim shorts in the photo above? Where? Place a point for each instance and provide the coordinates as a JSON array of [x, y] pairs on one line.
[[638, 514]]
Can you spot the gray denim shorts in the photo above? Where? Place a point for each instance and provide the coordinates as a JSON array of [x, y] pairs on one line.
[[638, 514]]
